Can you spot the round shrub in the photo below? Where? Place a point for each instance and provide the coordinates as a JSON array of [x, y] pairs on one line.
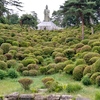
[[12, 73], [1, 51], [94, 76], [97, 43], [3, 65], [33, 72], [98, 80], [1, 41], [73, 87], [25, 83], [15, 43], [79, 45], [11, 63], [86, 80], [79, 62], [60, 59], [19, 67], [5, 47], [69, 68], [93, 60], [51, 71], [69, 53], [40, 59], [47, 50], [2, 74], [78, 72], [19, 56], [2, 58], [97, 66], [43, 70], [85, 41], [25, 73], [27, 61], [85, 48], [96, 49], [9, 56], [32, 66], [87, 70], [89, 55], [59, 54], [46, 79]]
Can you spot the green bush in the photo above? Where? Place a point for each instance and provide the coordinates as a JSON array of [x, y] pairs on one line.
[[11, 63], [69, 53], [1, 41], [97, 95], [97, 43], [69, 68], [9, 56], [60, 59], [94, 76], [47, 50], [1, 51], [97, 66], [33, 72], [78, 72], [79, 45], [46, 79], [85, 48], [51, 71], [15, 43], [93, 60], [40, 59], [5, 47], [86, 80], [89, 55], [27, 61], [12, 73], [96, 49], [79, 62], [3, 65], [98, 80], [43, 70], [19, 56], [85, 41], [19, 67], [25, 83], [2, 58], [25, 73], [73, 87], [87, 70], [59, 54], [2, 74], [32, 66]]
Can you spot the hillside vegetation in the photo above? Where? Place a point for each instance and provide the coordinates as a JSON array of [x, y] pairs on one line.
[[26, 52]]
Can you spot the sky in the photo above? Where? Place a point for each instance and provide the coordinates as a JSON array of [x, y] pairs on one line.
[[39, 5]]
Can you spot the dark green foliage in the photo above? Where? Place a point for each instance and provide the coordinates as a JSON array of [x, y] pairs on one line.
[[86, 80], [97, 95], [5, 47], [11, 63], [12, 73], [3, 74], [69, 68], [43, 70], [73, 87], [98, 80], [1, 41], [78, 72], [3, 65], [25, 83]]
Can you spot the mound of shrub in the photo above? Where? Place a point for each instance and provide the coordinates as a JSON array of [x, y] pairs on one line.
[[33, 72], [87, 70], [98, 80], [3, 65], [78, 72], [11, 63], [25, 83], [69, 68], [32, 66], [73, 87], [85, 48], [3, 74], [80, 62], [93, 60]]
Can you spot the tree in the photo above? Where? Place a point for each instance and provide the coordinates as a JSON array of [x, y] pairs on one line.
[[29, 20], [4, 3], [79, 8]]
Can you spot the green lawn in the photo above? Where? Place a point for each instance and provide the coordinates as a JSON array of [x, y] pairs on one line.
[[11, 85]]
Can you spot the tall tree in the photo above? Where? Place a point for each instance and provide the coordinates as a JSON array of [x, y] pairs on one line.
[[78, 8]]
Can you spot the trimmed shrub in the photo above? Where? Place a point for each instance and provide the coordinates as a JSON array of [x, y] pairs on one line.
[[97, 95], [43, 70], [51, 71], [93, 60], [1, 51], [12, 73], [87, 70], [59, 54], [60, 59], [32, 66], [40, 59], [69, 53], [69, 68], [47, 50], [96, 66], [1, 41], [9, 56], [98, 80], [79, 45], [94, 76], [96, 49], [15, 43], [86, 80], [2, 74], [78, 72], [11, 63], [85, 41], [89, 55], [97, 43], [19, 56], [2, 58], [5, 47], [25, 73], [3, 65], [33, 72], [19, 67], [85, 48], [73, 87], [80, 62], [27, 61], [25, 83], [46, 79]]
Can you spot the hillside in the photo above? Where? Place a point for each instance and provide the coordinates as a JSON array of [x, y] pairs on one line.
[[35, 53]]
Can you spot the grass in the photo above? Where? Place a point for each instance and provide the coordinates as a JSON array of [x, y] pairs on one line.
[[11, 85]]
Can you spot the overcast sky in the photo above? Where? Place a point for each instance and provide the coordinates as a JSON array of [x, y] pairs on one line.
[[39, 5]]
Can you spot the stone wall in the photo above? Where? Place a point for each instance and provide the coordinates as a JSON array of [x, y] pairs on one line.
[[17, 96]]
